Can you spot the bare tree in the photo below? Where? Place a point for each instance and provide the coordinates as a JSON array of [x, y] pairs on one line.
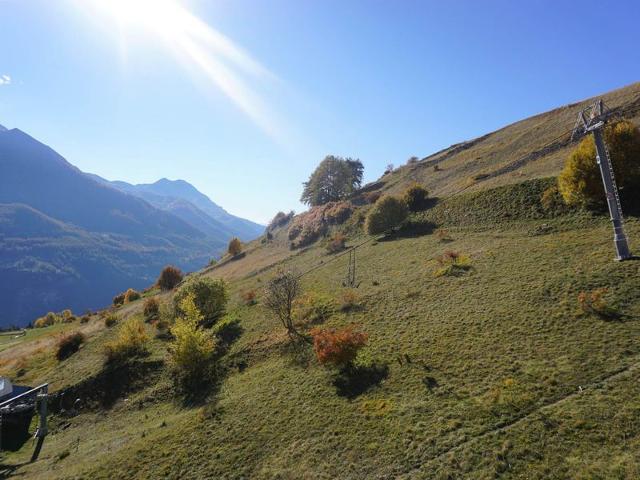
[[280, 295]]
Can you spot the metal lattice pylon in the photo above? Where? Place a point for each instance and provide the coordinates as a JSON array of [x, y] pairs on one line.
[[592, 120]]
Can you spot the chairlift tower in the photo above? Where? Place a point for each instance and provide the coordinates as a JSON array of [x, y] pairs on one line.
[[592, 120]]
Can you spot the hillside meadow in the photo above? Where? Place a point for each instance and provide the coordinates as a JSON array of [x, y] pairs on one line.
[[495, 371]]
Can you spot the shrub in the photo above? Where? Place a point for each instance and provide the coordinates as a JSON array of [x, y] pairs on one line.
[[551, 198], [413, 160], [162, 329], [118, 299], [85, 318], [336, 243], [387, 213], [46, 321], [453, 264], [249, 297], [443, 235], [372, 197], [349, 300], [338, 212], [110, 320], [131, 342], [580, 182], [68, 345], [67, 316], [594, 302], [210, 297], [280, 220], [313, 308], [280, 295], [169, 278], [338, 347], [416, 197], [388, 169], [193, 348], [227, 329], [235, 247], [131, 295], [151, 309]]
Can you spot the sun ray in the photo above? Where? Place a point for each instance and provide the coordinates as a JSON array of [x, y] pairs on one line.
[[216, 56]]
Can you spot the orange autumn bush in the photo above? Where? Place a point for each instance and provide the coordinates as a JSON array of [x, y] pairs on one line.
[[338, 347]]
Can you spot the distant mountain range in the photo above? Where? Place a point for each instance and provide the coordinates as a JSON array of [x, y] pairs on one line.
[[186, 202], [73, 240]]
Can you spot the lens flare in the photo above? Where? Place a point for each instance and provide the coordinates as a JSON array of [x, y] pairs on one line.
[[199, 45]]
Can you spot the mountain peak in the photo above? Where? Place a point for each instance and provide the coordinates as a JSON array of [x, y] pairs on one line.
[[3, 129]]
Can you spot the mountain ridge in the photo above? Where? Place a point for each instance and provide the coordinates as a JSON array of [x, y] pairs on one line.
[[170, 195]]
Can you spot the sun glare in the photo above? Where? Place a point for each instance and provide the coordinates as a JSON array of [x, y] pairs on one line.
[[198, 45]]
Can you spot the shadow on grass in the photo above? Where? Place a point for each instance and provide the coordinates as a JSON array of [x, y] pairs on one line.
[[7, 470], [612, 315], [201, 390], [229, 334], [414, 227], [298, 352], [203, 387], [111, 384], [355, 380]]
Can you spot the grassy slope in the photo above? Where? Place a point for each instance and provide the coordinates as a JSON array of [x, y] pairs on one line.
[[490, 154], [502, 377]]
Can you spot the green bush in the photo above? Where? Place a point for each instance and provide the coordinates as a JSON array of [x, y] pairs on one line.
[[68, 345], [580, 183], [169, 278], [131, 342], [416, 197], [193, 348], [387, 213], [210, 297]]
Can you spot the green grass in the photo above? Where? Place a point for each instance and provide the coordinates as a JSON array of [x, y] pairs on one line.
[[484, 374]]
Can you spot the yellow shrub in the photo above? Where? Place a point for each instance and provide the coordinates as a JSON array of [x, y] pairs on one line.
[[580, 183], [131, 342], [193, 348]]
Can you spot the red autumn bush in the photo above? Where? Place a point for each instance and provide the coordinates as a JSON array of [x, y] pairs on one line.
[[169, 278], [338, 347], [307, 227], [249, 297]]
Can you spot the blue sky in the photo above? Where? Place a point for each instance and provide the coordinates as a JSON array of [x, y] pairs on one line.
[[243, 98]]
